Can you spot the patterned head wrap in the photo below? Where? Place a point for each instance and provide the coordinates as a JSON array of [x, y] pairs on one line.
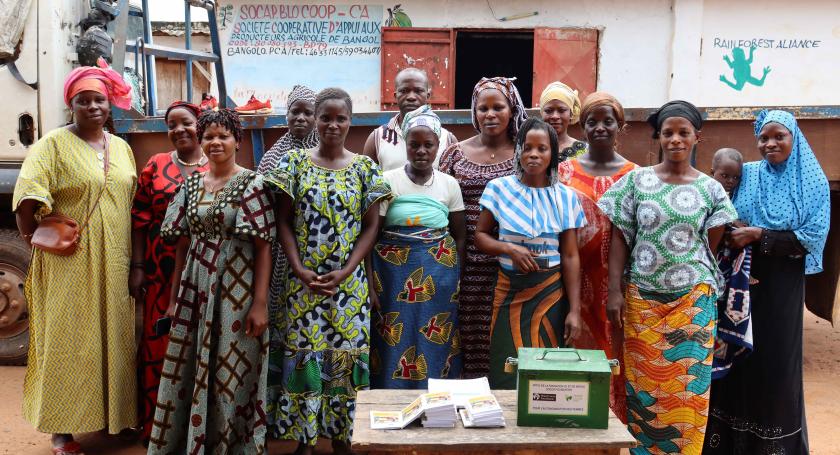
[[676, 108], [597, 99], [790, 196], [101, 79], [195, 110], [562, 92], [422, 116], [504, 85], [288, 141], [300, 92]]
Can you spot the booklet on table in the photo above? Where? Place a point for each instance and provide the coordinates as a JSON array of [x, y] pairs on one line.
[[438, 407], [461, 389]]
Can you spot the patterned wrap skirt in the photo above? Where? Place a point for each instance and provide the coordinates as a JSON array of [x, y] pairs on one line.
[[415, 329], [529, 310], [668, 345]]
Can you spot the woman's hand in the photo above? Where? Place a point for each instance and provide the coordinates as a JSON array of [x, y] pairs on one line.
[[615, 308], [170, 310], [743, 236], [257, 319], [136, 280], [522, 258], [327, 284], [571, 332], [374, 299], [309, 278]]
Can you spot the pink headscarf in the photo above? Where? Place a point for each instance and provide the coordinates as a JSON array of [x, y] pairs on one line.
[[100, 79]]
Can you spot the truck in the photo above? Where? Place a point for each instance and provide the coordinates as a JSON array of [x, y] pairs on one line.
[[57, 35], [42, 42]]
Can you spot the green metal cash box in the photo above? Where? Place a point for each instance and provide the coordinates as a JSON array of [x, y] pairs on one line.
[[562, 387]]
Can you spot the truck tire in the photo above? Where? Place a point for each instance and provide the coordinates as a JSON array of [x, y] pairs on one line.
[[14, 317]]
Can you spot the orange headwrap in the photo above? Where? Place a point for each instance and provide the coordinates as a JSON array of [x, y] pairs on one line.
[[596, 99], [101, 79]]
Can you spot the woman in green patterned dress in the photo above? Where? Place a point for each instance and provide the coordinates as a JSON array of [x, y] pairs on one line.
[[328, 212], [213, 381]]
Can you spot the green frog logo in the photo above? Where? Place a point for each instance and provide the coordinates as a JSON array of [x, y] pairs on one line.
[[741, 70]]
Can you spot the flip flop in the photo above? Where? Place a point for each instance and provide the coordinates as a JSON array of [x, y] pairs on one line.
[[69, 448]]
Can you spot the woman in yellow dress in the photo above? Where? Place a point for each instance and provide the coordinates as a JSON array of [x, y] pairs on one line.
[[81, 373]]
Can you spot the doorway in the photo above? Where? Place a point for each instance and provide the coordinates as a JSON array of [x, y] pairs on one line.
[[493, 53]]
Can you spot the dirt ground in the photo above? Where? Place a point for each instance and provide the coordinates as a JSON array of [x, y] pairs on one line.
[[822, 368]]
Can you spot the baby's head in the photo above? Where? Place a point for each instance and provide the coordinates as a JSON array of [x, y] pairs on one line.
[[726, 168]]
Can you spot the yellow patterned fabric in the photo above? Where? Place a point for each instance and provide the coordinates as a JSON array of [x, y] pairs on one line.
[[668, 343], [81, 373]]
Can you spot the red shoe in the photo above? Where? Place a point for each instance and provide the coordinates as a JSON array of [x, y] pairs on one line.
[[208, 103], [255, 106]]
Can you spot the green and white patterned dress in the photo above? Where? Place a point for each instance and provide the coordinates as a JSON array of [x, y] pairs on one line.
[[665, 227], [213, 382], [320, 345], [669, 322]]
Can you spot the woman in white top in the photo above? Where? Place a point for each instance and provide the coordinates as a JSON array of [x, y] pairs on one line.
[[416, 266]]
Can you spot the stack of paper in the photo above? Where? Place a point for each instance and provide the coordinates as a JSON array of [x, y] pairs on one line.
[[439, 410], [461, 389], [482, 411]]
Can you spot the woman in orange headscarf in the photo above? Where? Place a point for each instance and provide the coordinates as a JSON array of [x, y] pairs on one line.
[[80, 375], [592, 174]]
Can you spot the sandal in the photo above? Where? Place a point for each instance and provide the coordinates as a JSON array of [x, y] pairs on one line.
[[68, 448]]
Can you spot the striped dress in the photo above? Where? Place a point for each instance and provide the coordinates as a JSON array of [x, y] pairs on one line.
[[475, 304], [529, 309]]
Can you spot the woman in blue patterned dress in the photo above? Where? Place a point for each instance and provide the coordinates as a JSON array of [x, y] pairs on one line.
[[417, 265]]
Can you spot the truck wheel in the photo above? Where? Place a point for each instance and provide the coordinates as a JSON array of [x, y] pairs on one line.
[[14, 317]]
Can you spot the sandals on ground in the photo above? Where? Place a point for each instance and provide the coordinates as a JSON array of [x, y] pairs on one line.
[[68, 448]]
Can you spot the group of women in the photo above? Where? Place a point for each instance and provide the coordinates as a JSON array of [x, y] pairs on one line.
[[291, 288]]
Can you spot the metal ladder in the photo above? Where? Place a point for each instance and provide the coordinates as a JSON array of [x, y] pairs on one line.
[[146, 48]]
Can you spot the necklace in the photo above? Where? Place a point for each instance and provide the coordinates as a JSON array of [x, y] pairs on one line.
[[410, 176], [184, 163], [492, 156], [219, 185]]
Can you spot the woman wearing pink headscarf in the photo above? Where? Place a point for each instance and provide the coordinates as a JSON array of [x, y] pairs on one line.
[[81, 373]]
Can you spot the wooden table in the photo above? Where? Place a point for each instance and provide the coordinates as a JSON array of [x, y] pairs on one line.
[[473, 441]]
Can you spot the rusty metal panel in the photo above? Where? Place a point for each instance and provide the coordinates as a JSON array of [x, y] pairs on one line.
[[566, 55], [430, 49]]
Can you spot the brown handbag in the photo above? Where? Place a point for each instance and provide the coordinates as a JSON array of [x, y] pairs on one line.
[[58, 234]]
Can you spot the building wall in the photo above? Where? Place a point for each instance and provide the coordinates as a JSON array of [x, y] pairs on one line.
[[798, 42], [635, 35]]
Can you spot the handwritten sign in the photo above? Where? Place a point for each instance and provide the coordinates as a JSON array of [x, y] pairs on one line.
[[269, 48]]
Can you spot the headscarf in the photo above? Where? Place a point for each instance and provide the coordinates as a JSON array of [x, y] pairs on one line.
[[518, 115], [676, 108], [422, 116], [598, 99], [194, 110], [562, 92], [300, 92], [101, 79], [790, 196], [288, 141]]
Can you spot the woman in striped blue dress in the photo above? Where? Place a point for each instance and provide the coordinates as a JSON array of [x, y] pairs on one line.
[[529, 220]]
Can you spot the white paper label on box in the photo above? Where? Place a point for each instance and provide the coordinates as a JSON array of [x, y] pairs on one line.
[[558, 397]]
